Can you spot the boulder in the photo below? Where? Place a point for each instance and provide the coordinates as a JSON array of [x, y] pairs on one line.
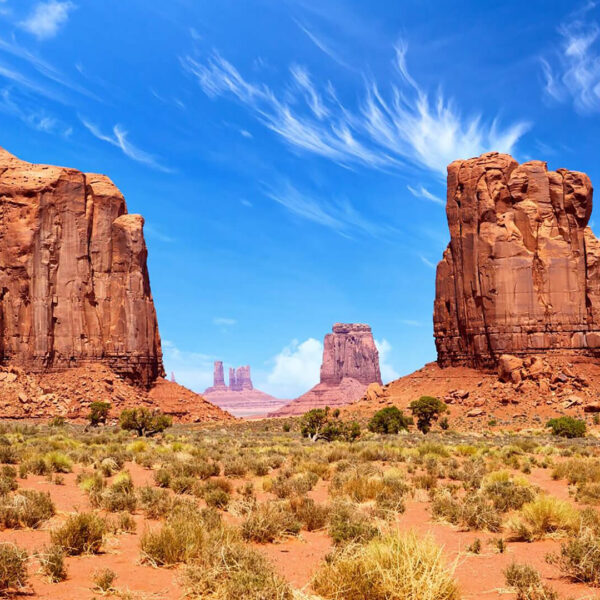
[[509, 368]]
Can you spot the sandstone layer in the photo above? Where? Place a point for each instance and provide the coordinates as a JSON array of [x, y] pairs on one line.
[[350, 364], [240, 398], [521, 274], [74, 285]]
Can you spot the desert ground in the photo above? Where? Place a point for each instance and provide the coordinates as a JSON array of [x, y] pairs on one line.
[[255, 510]]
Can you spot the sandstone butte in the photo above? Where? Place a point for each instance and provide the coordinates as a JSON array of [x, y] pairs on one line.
[[75, 299], [240, 397], [350, 364], [517, 305]]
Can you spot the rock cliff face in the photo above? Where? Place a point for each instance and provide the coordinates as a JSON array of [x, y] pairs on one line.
[[521, 274], [74, 285], [350, 364]]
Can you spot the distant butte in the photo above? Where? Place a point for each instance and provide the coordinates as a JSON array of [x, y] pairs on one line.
[[350, 364], [239, 398]]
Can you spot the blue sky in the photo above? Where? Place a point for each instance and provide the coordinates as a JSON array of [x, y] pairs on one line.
[[289, 155]]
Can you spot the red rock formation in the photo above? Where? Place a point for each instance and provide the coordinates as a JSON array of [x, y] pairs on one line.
[[350, 364], [521, 274], [240, 398], [218, 378], [74, 286]]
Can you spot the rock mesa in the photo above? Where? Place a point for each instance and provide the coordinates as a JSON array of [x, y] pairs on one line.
[[521, 274], [350, 364], [74, 286]]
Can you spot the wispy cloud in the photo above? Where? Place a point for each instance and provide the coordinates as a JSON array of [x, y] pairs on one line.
[[155, 232], [47, 18], [386, 130], [573, 72], [411, 322], [324, 46], [427, 262], [423, 192], [31, 114], [340, 216], [224, 321], [118, 138]]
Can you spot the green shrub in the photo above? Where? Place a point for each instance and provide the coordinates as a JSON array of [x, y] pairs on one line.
[[98, 413], [81, 533], [427, 409], [389, 420], [348, 524], [567, 427], [322, 424], [144, 421]]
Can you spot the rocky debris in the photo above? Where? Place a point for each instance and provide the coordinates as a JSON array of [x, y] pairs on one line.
[[74, 285], [70, 393], [521, 274], [565, 385], [350, 365]]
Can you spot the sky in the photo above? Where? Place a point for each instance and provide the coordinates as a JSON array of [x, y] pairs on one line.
[[289, 156]]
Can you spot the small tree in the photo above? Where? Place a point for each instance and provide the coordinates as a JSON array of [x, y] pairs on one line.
[[567, 427], [322, 424], [427, 409], [144, 421], [98, 413], [389, 420]]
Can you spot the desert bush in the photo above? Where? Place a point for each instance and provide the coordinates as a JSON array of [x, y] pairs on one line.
[[313, 516], [58, 462], [180, 539], [81, 533], [395, 567], [579, 557], [528, 583], [13, 567], [567, 427], [26, 508], [472, 512], [104, 579], [217, 498], [7, 484], [389, 420], [229, 570], [235, 467], [578, 470], [156, 503], [52, 563], [427, 409], [508, 493], [298, 485], [270, 521], [144, 421], [8, 455], [543, 516], [348, 524]]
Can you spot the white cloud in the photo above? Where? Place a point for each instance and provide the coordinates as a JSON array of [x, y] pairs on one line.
[[385, 131], [155, 232], [573, 73], [411, 322], [423, 192], [338, 215], [30, 113], [245, 133], [388, 373], [191, 369], [224, 321], [47, 17], [295, 369], [119, 140]]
